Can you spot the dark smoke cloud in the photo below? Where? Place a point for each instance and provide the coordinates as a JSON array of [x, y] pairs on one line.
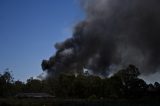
[[114, 34]]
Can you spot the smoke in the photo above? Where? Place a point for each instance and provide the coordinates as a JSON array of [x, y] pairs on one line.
[[115, 33]]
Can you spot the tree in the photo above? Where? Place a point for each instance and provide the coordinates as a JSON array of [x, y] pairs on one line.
[[133, 86], [6, 81], [113, 87], [81, 87], [19, 86], [130, 72], [33, 85], [157, 87]]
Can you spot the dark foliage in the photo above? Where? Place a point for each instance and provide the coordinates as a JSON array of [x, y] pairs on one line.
[[125, 84]]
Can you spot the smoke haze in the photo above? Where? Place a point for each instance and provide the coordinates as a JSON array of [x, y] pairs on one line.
[[115, 33]]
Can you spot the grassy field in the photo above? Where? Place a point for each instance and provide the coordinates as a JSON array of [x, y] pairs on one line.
[[75, 102]]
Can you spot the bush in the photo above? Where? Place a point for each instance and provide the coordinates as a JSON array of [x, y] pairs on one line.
[[92, 97]]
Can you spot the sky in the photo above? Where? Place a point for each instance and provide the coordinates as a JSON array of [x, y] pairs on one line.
[[30, 28]]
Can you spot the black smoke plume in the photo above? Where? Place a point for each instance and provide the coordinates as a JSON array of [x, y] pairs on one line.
[[115, 33]]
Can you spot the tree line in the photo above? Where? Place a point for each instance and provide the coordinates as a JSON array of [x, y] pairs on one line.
[[124, 84]]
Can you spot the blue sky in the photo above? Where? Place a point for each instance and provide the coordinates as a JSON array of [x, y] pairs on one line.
[[30, 28]]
